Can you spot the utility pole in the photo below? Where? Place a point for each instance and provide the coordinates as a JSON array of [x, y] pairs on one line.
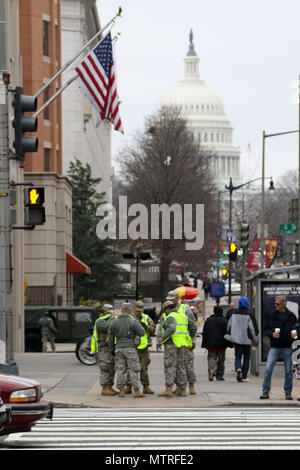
[[6, 327]]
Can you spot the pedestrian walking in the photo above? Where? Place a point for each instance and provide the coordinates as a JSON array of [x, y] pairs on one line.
[[181, 307], [122, 338], [214, 330], [48, 331], [241, 332], [206, 288], [230, 310], [99, 344], [177, 333], [143, 348], [280, 327]]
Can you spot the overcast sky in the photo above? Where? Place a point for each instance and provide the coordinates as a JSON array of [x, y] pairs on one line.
[[249, 55]]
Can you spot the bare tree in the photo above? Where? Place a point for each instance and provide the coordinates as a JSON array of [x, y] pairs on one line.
[[165, 166]]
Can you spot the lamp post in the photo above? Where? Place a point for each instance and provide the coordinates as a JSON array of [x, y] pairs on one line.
[[232, 188], [142, 256], [262, 213]]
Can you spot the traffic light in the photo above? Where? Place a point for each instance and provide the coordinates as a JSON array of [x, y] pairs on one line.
[[24, 143], [224, 273], [233, 251], [34, 206], [244, 236]]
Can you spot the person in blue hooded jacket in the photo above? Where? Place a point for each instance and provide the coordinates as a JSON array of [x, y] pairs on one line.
[[242, 331]]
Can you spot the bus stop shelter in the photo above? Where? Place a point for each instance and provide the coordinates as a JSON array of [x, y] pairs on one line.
[[262, 288]]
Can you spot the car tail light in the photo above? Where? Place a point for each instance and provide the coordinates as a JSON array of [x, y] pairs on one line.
[[23, 396]]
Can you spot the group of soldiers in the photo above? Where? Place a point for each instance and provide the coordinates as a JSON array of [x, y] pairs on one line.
[[122, 343]]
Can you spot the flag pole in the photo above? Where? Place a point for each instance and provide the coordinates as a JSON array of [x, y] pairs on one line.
[[77, 54]]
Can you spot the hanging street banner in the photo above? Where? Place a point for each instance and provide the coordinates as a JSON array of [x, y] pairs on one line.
[[253, 263]]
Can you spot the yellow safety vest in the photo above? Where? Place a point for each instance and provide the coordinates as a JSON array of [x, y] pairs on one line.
[[181, 337], [144, 339], [94, 340]]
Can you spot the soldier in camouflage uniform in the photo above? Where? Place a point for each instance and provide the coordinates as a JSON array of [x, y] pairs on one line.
[[48, 330], [122, 335], [106, 359], [189, 351], [143, 350], [177, 333]]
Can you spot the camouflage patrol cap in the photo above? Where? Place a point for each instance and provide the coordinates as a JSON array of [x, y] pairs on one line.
[[108, 308], [139, 305], [173, 294], [167, 303], [126, 305]]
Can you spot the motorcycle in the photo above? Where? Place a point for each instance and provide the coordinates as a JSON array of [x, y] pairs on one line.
[[84, 354]]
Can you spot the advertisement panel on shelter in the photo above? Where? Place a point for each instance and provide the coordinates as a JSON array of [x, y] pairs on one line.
[[269, 291]]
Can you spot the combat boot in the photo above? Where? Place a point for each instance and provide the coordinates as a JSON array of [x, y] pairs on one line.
[[147, 390], [138, 394], [167, 393], [115, 392], [176, 390], [181, 392], [122, 393], [107, 392], [192, 389], [128, 389]]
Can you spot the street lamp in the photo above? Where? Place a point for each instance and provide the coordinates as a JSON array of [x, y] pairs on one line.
[[142, 256], [232, 188], [262, 213]]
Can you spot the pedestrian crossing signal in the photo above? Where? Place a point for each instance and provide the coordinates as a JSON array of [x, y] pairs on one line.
[[233, 251], [224, 273], [34, 210]]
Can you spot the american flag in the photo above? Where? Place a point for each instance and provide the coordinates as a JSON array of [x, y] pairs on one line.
[[97, 80]]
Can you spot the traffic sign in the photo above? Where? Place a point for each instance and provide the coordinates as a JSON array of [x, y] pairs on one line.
[[288, 229], [229, 235]]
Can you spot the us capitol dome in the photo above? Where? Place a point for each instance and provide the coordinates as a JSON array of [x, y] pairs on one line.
[[206, 119]]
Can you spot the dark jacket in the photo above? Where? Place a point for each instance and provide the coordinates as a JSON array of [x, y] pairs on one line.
[[286, 321], [214, 329]]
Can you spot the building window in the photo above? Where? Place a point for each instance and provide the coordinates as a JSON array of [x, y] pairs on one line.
[[47, 159], [46, 38], [212, 137], [46, 97]]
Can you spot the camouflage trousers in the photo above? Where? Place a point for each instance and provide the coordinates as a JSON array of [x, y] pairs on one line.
[[144, 357], [174, 365], [47, 335], [107, 366], [189, 365], [127, 359]]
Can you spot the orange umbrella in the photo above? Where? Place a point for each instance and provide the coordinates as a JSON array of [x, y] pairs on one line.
[[187, 292]]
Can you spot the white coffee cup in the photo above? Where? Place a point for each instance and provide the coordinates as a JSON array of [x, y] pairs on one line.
[[277, 330], [294, 332]]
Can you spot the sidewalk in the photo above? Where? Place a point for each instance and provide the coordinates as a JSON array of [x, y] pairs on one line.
[[68, 383]]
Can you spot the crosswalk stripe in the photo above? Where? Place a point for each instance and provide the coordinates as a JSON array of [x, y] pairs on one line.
[[185, 429]]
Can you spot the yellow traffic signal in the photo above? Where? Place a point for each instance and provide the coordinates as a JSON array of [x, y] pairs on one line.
[[224, 273], [233, 251]]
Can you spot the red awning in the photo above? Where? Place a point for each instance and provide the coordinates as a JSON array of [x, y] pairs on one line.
[[75, 266]]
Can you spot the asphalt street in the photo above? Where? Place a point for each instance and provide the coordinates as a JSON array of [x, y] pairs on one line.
[[69, 383]]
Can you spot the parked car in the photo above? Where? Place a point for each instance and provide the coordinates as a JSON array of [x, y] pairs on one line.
[[24, 397], [235, 287], [5, 414]]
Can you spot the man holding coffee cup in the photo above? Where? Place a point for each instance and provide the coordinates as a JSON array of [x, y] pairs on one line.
[[280, 327]]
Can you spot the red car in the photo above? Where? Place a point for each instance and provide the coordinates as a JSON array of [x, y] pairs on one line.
[[5, 415], [24, 398]]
